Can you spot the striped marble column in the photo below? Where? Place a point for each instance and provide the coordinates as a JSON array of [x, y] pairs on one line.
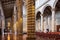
[[31, 19]]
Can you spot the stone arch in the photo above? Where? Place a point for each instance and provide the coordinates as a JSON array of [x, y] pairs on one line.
[[57, 13], [54, 4], [38, 15], [38, 21], [47, 14], [57, 5], [46, 6]]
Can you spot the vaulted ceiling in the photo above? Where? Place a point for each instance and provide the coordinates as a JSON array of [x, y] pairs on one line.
[[8, 7], [9, 4]]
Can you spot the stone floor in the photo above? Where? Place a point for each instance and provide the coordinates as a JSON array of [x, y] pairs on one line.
[[6, 37], [24, 38]]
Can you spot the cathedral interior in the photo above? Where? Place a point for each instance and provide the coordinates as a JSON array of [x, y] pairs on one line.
[[19, 21]]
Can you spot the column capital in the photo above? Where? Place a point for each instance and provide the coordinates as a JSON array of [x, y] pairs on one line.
[[53, 9], [41, 14]]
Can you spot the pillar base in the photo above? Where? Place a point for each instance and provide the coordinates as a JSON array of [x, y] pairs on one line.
[[31, 38]]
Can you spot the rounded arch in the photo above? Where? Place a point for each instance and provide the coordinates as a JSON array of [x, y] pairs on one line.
[[47, 14], [38, 15], [57, 13], [57, 7], [46, 6], [38, 21], [55, 3], [47, 10]]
